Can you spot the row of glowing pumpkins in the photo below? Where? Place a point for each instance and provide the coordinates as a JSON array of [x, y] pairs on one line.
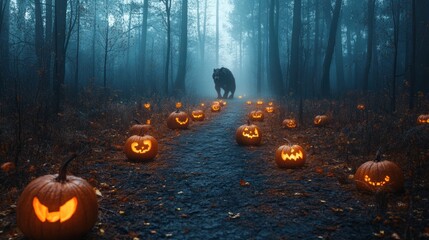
[[64, 206]]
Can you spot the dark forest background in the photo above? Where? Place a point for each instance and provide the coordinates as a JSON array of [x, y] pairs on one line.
[[55, 51]]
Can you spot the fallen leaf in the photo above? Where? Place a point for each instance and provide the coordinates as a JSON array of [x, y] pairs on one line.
[[97, 192], [233, 215], [243, 183], [8, 166]]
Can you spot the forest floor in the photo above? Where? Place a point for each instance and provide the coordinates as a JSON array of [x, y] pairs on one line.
[[203, 185]]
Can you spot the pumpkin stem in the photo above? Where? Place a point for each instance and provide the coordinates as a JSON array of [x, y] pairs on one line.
[[62, 176], [378, 155], [137, 121], [288, 141]]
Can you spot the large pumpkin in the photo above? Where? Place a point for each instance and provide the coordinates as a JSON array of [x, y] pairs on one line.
[[197, 115], [178, 120], [248, 134], [141, 148], [256, 115], [379, 175], [57, 207], [290, 156]]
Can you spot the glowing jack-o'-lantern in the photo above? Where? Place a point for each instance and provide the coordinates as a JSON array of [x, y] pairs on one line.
[[259, 102], [257, 115], [140, 129], [269, 109], [240, 97], [141, 148], [423, 119], [379, 175], [270, 104], [249, 102], [216, 106], [197, 115], [290, 156], [57, 207], [147, 106], [320, 120], [360, 107], [178, 105], [178, 120], [248, 134], [289, 123]]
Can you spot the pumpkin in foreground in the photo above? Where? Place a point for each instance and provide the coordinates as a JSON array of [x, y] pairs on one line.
[[141, 148], [379, 175], [57, 207], [248, 134], [290, 156]]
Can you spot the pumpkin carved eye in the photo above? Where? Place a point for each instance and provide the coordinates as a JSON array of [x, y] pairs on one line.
[[146, 146], [290, 156], [65, 213]]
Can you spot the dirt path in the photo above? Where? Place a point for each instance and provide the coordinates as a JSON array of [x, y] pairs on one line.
[[208, 187]]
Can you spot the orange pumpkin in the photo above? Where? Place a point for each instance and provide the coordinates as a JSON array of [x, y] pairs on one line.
[[140, 129], [321, 120], [178, 120], [216, 106], [360, 107], [248, 134], [197, 115], [423, 119], [379, 175], [141, 148], [249, 102], [256, 115], [290, 156], [269, 109], [289, 123], [57, 207]]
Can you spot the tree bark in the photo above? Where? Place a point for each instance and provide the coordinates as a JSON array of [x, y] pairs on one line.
[[370, 42], [275, 73], [217, 33], [59, 63], [167, 4], [295, 48], [326, 87], [183, 51], [144, 44], [4, 43]]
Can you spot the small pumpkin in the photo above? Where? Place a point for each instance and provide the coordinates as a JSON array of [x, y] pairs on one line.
[[178, 120], [269, 109], [256, 115], [57, 207], [259, 102], [146, 105], [379, 175], [140, 129], [423, 119], [141, 148], [216, 106], [249, 102], [290, 156], [320, 120], [360, 107], [197, 115], [248, 134], [289, 123]]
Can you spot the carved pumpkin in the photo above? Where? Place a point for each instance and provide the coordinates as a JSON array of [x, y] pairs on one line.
[[178, 105], [140, 129], [321, 120], [147, 106], [360, 107], [178, 120], [141, 148], [290, 156], [259, 102], [222, 103], [248, 134], [249, 102], [423, 119], [216, 106], [257, 115], [289, 123], [379, 175], [57, 207], [197, 115], [269, 109]]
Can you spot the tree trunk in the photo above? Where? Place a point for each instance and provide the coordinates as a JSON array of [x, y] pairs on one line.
[[295, 48], [339, 65], [144, 45], [413, 57], [395, 5], [167, 60], [106, 46], [275, 73], [316, 56], [202, 35], [370, 42], [326, 88], [76, 73], [217, 33], [183, 50], [4, 44], [94, 37], [259, 63], [59, 63]]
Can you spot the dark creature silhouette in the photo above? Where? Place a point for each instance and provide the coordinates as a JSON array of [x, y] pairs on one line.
[[224, 79]]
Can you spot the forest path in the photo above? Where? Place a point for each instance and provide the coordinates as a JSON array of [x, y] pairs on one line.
[[207, 186]]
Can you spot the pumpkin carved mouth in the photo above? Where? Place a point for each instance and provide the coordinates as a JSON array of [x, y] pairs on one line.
[[182, 122], [147, 145], [293, 156], [368, 180], [65, 212], [249, 134]]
